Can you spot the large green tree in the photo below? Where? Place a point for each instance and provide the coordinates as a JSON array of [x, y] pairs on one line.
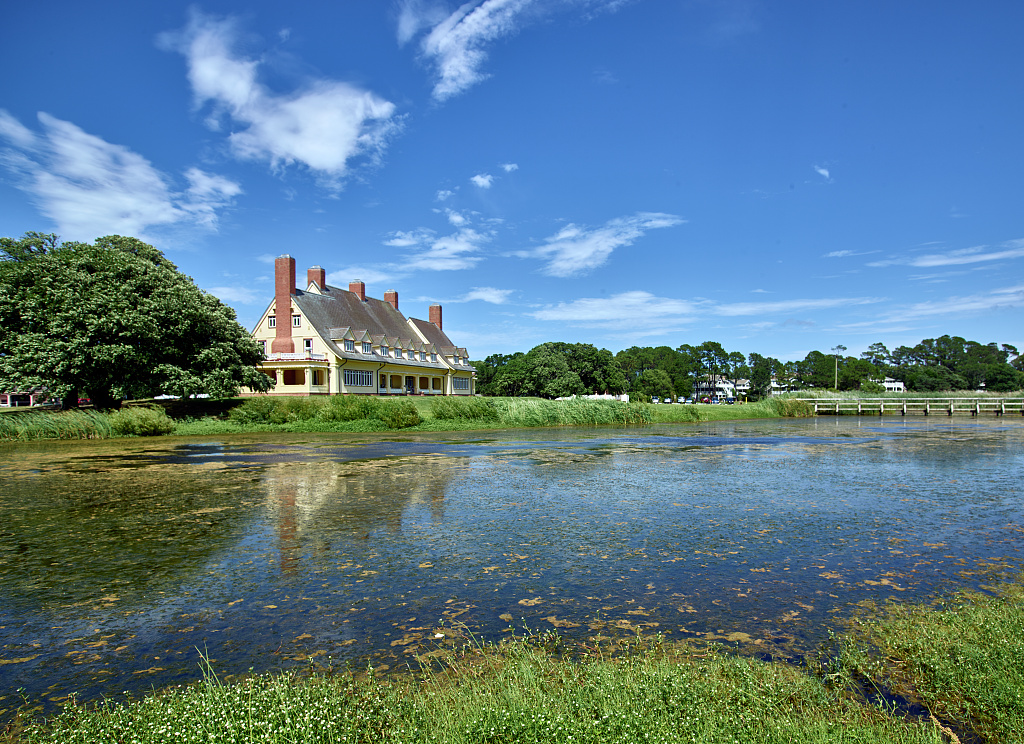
[[115, 319]]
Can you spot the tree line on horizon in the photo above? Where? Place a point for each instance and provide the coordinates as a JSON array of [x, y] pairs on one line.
[[559, 369]]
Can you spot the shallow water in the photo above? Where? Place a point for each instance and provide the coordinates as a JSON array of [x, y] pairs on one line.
[[121, 561]]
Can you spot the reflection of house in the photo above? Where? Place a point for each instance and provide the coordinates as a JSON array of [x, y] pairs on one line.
[[322, 340]]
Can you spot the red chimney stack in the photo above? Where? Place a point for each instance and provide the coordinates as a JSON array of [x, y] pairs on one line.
[[316, 275], [284, 288], [391, 296], [358, 289], [435, 316]]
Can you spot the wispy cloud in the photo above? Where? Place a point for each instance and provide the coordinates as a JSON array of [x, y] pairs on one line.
[[847, 254], [577, 250], [446, 253], [644, 312], [978, 254], [1002, 298], [456, 44], [483, 180], [487, 294], [509, 167], [238, 295], [444, 195], [822, 171], [322, 126], [90, 187], [366, 274]]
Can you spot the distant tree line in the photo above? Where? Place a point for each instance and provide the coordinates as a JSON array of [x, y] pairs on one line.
[[557, 369]]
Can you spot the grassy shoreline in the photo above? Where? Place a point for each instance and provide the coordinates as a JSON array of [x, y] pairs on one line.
[[919, 673]]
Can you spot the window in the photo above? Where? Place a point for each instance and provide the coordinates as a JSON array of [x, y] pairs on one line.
[[423, 356], [398, 353], [318, 377], [358, 378], [271, 321], [433, 358], [296, 321], [385, 351], [307, 345], [460, 383], [367, 348], [350, 345], [263, 346]]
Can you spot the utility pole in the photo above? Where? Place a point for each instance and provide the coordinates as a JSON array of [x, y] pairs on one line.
[[836, 350]]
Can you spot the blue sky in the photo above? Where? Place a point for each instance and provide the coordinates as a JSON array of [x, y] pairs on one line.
[[779, 177]]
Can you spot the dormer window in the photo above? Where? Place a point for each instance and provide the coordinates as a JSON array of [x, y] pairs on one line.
[[433, 358], [398, 353], [423, 356], [385, 351], [350, 345], [367, 348]]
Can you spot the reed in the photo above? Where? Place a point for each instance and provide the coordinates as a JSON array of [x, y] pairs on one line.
[[75, 424]]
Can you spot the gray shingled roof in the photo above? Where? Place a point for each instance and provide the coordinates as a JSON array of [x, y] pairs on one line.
[[340, 310]]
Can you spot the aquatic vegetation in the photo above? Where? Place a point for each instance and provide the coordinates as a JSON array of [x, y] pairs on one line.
[[465, 409], [526, 412], [141, 421]]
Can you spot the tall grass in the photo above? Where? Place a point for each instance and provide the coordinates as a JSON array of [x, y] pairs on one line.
[[525, 412], [75, 424], [859, 394], [322, 414]]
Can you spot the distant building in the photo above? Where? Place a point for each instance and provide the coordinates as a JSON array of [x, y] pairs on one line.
[[713, 386], [322, 340], [32, 397]]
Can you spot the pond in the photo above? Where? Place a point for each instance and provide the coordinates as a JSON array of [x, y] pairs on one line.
[[121, 561]]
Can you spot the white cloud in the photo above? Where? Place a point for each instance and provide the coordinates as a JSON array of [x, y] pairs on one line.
[[402, 239], [822, 171], [238, 295], [636, 311], [323, 126], [487, 294], [645, 313], [789, 306], [977, 254], [1006, 297], [456, 218], [365, 274], [509, 167], [457, 41], [483, 180], [444, 194], [449, 253], [576, 250], [90, 187]]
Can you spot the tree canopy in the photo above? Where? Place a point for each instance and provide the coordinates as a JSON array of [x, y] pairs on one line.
[[115, 319]]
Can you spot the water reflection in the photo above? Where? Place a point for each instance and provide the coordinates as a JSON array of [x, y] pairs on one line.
[[119, 560]]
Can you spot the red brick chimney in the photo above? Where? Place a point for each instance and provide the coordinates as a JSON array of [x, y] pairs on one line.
[[435, 316], [284, 288], [358, 289], [392, 297], [316, 275]]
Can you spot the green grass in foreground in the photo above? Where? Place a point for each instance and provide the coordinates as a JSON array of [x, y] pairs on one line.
[[963, 659]]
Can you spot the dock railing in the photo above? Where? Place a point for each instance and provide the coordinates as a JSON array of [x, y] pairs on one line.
[[925, 406]]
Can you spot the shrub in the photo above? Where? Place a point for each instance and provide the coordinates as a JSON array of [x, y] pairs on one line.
[[141, 422], [399, 414]]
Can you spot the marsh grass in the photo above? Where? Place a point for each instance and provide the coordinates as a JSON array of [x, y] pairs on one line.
[[938, 394], [528, 412], [333, 413], [775, 407], [962, 659], [524, 690], [75, 424]]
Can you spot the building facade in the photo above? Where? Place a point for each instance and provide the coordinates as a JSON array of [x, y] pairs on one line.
[[323, 340]]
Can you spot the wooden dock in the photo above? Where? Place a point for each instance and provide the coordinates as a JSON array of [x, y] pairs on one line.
[[922, 406]]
